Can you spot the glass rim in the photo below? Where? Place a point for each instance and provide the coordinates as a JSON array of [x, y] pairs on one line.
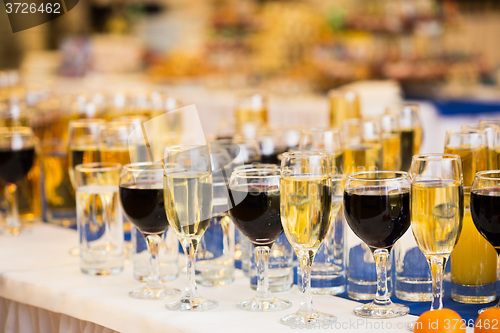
[[483, 174], [398, 175], [142, 166], [435, 156], [256, 165], [248, 173], [100, 166], [182, 148], [303, 153], [468, 131]]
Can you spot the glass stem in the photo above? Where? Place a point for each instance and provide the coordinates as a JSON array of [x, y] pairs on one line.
[[262, 261], [153, 242], [190, 252], [12, 218], [437, 271], [382, 296], [306, 260]]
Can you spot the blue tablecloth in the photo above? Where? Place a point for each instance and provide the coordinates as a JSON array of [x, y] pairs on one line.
[[461, 107]]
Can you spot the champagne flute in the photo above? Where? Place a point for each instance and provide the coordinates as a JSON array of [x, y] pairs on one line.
[[306, 202], [141, 196], [377, 209], [485, 208], [188, 202], [437, 208], [255, 193], [17, 153]]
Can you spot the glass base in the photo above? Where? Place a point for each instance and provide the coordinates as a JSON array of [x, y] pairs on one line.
[[192, 304], [301, 319], [161, 292], [274, 304], [373, 310], [474, 294], [328, 290]]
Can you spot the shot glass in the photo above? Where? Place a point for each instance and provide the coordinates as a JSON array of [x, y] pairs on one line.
[[361, 269], [328, 273], [99, 218], [168, 256], [280, 266], [413, 281]]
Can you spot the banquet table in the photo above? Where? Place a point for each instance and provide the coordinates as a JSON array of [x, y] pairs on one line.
[[43, 290]]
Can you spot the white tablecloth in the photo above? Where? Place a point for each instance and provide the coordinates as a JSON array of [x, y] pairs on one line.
[[42, 290]]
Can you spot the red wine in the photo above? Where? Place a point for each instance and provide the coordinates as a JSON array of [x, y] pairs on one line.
[[15, 164], [485, 211], [143, 204], [377, 216], [257, 213]]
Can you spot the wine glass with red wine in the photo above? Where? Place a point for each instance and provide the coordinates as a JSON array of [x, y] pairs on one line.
[[485, 207], [141, 196], [377, 209], [17, 153], [254, 193]]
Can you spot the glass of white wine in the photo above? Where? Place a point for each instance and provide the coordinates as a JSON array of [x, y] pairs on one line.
[[188, 195], [437, 208], [305, 206]]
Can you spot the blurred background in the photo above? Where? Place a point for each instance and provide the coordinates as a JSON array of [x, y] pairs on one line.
[[432, 48]]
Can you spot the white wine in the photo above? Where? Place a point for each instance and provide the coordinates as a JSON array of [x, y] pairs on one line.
[[337, 162], [474, 159], [115, 155], [436, 215], [306, 203], [391, 147], [362, 157], [188, 203]]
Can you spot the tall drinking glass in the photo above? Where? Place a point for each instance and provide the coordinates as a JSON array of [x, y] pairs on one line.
[[473, 260], [306, 202], [411, 131], [255, 193], [188, 202], [437, 208], [17, 153], [83, 140], [471, 146], [485, 207], [491, 127], [327, 140], [362, 145], [377, 209]]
